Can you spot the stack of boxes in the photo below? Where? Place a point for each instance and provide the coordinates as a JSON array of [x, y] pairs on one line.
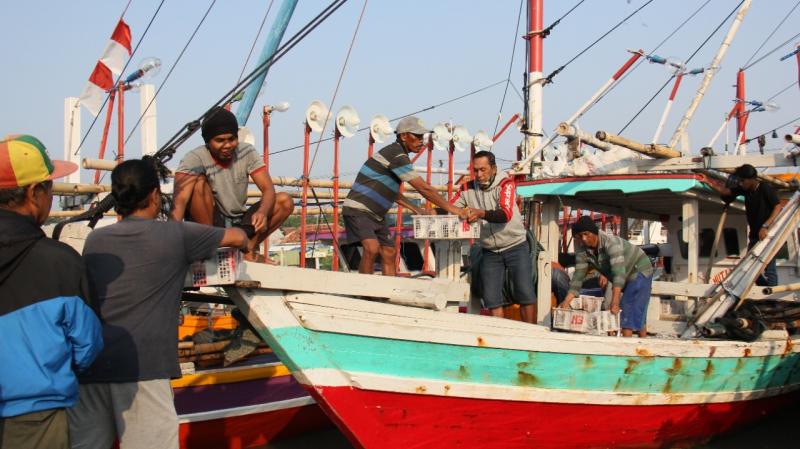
[[585, 316]]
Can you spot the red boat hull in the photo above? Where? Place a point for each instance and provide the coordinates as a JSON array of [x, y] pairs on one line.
[[254, 430], [373, 419]]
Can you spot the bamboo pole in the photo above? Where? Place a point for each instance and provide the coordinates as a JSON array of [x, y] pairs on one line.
[[709, 75], [782, 288], [570, 132], [652, 150], [793, 138], [312, 210]]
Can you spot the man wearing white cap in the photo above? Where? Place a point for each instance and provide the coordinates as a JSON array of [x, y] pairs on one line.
[[377, 188]]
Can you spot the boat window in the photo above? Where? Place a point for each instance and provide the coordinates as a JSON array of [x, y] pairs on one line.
[[731, 238], [783, 253], [706, 242]]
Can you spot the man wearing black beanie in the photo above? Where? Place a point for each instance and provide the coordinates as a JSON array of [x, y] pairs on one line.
[[211, 184], [761, 205], [626, 265]]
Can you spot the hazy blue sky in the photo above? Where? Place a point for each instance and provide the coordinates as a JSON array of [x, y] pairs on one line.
[[408, 55]]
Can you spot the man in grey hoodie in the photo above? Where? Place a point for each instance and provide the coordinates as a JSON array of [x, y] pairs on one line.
[[491, 198]]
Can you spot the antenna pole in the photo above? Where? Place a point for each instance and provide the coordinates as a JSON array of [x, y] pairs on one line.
[[337, 136], [304, 199]]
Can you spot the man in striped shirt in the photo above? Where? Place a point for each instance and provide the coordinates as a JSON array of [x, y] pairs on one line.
[[626, 265], [377, 188]]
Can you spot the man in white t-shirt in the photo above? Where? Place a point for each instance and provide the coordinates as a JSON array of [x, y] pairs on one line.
[[211, 184]]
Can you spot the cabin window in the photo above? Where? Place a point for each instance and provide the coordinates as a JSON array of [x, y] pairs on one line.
[[705, 242], [731, 238]]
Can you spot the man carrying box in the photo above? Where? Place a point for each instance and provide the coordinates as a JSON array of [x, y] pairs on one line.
[[490, 197], [377, 187], [627, 266], [137, 268]]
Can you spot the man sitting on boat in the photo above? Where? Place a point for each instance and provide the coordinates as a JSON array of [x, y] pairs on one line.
[[211, 184], [137, 268], [626, 265], [490, 197], [761, 207], [377, 187]]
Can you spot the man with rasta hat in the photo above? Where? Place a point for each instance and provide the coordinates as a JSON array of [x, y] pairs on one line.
[[626, 265], [377, 187], [211, 184], [761, 207], [48, 330]]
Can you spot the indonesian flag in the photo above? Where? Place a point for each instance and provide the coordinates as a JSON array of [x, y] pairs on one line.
[[111, 63]]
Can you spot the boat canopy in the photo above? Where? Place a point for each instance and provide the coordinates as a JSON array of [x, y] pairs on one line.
[[637, 196]]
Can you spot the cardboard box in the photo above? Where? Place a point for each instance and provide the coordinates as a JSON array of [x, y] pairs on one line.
[[222, 269], [603, 321], [592, 303], [444, 227], [571, 320]]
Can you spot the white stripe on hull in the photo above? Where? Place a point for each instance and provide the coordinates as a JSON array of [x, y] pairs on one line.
[[325, 377], [246, 410]]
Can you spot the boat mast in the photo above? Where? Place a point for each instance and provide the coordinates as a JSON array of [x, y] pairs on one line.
[[687, 117], [533, 103]]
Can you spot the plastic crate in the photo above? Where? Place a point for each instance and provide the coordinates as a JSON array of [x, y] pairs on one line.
[[592, 303], [222, 269], [603, 321], [444, 227]]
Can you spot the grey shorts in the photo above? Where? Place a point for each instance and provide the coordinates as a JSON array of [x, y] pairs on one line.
[[141, 414], [360, 227]]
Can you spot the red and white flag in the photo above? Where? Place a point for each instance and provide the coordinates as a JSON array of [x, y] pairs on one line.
[[111, 63]]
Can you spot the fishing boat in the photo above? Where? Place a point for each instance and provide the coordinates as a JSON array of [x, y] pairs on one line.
[[393, 363]]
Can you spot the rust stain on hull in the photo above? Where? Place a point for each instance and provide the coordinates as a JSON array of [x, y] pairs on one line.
[[709, 370], [676, 367], [526, 379], [632, 363], [481, 341], [588, 362]]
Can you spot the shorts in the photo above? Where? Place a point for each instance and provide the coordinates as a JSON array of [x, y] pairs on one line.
[[635, 298], [360, 227], [243, 222]]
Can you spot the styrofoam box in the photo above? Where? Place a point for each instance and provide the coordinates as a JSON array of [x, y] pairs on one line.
[[444, 227], [222, 269], [571, 320], [603, 321], [576, 303], [592, 303]]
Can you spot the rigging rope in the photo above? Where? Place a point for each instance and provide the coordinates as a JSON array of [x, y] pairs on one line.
[[790, 122], [174, 64], [399, 117], [772, 33], [736, 8], [258, 34], [792, 84], [545, 32], [549, 78], [510, 66], [121, 73], [771, 51], [642, 60], [335, 238]]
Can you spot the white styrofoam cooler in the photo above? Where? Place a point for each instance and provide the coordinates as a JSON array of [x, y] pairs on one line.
[[444, 227]]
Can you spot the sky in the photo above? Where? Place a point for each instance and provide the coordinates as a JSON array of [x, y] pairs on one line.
[[407, 56]]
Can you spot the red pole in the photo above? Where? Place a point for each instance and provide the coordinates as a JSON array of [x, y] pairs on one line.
[[265, 122], [336, 138], [398, 227], [304, 199], [104, 139], [536, 12], [741, 120], [371, 146], [505, 127], [425, 261], [121, 123], [450, 157]]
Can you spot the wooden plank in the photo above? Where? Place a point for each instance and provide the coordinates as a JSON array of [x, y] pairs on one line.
[[548, 237], [661, 288], [690, 229], [433, 294]]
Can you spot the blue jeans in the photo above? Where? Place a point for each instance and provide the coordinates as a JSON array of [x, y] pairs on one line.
[[635, 298], [517, 260], [769, 278]]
